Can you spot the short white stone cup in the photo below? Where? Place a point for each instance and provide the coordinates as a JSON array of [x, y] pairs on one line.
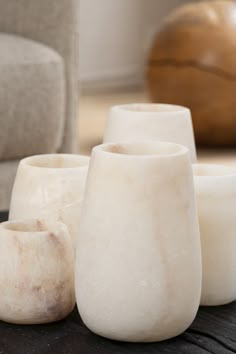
[[138, 272], [50, 187], [148, 121], [36, 272], [215, 187]]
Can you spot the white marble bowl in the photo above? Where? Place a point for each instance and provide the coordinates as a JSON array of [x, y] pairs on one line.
[[36, 272], [52, 187], [151, 121]]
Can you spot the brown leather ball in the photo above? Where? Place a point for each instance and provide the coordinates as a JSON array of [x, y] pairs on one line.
[[193, 63]]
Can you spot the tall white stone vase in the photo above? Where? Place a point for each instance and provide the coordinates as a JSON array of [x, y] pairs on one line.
[[138, 272], [50, 187], [215, 187]]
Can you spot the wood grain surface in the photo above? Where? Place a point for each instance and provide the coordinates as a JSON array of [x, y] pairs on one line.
[[213, 331]]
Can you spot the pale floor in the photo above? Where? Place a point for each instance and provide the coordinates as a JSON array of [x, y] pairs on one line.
[[94, 110]]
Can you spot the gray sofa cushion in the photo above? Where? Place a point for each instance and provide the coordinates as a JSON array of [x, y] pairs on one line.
[[54, 23], [32, 98], [8, 171]]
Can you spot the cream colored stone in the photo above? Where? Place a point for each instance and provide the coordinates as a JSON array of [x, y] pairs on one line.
[[36, 272], [138, 272], [163, 122], [216, 198], [50, 187]]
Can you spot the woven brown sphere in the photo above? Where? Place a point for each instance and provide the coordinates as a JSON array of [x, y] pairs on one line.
[[193, 63]]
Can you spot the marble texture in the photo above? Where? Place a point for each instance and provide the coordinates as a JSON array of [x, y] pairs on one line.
[[138, 272], [50, 187], [149, 121], [36, 273], [215, 187]]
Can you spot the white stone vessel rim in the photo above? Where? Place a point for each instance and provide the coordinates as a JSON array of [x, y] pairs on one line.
[[142, 149], [151, 109], [207, 171], [30, 226], [57, 161]]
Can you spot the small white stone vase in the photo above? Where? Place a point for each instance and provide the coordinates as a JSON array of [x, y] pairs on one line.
[[138, 272], [50, 187], [36, 272], [216, 198], [148, 121]]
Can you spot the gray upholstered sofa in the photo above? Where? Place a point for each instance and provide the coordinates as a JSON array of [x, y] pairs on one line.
[[38, 82]]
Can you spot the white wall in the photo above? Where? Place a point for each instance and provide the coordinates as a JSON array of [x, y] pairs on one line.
[[114, 38], [155, 12]]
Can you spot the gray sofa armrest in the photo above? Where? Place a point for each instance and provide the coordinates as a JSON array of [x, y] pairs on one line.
[[55, 24]]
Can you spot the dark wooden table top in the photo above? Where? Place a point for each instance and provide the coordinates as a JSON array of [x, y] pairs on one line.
[[213, 331]]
